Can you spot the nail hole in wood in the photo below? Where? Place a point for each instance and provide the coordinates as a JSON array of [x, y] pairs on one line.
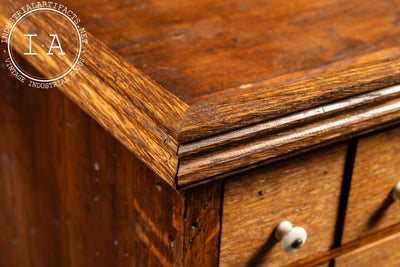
[[171, 242], [194, 226]]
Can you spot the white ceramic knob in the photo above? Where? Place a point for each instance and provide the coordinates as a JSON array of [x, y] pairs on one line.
[[396, 191], [292, 239]]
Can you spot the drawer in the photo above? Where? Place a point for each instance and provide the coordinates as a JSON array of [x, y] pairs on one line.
[[384, 252], [376, 171], [303, 190]]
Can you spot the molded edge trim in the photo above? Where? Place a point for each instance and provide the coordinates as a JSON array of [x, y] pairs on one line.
[[261, 101], [275, 139], [127, 103], [260, 122]]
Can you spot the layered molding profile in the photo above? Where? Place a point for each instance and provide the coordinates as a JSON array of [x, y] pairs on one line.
[[260, 122]]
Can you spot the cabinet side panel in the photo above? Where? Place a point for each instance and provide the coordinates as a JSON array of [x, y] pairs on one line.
[[71, 195], [202, 224]]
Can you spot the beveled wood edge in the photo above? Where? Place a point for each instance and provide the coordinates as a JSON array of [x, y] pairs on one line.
[[251, 153], [152, 122], [127, 103], [283, 123], [262, 101]]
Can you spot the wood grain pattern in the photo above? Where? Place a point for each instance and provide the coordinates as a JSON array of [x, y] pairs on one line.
[[72, 195], [131, 106], [194, 169], [152, 123], [93, 205], [256, 202], [202, 225], [376, 171], [270, 127], [258, 93], [383, 252], [263, 101], [202, 49]]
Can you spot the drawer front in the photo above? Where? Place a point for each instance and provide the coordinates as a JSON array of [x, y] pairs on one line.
[[376, 171], [303, 190], [384, 252]]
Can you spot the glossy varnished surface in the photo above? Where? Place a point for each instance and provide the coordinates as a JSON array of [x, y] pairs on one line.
[[303, 190], [269, 99], [131, 106], [153, 123], [194, 48], [256, 145], [68, 185]]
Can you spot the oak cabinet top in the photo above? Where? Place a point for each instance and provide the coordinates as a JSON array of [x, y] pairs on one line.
[[201, 89]]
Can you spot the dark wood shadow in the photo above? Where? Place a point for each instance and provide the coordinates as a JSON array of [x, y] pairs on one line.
[[262, 252], [378, 214]]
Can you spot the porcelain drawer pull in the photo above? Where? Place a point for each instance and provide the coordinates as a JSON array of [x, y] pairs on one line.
[[396, 191], [292, 239]]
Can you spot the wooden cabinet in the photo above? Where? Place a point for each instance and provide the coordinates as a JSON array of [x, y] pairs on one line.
[[191, 129]]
